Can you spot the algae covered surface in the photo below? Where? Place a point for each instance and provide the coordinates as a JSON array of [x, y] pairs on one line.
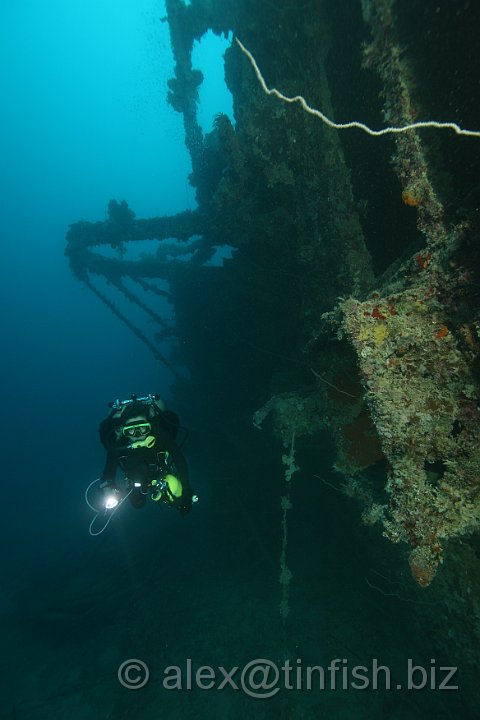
[[346, 320]]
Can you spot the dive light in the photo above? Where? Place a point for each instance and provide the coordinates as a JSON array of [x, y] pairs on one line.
[[111, 501]]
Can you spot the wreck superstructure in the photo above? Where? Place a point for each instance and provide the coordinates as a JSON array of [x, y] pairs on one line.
[[351, 303]]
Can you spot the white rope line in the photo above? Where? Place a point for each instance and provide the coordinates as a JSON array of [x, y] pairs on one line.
[[354, 124]]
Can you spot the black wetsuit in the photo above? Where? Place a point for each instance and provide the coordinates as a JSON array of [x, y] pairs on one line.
[[143, 465]]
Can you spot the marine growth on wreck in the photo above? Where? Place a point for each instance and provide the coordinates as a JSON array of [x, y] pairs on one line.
[[356, 258]]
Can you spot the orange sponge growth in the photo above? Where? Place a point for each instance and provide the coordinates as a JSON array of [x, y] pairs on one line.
[[411, 198]]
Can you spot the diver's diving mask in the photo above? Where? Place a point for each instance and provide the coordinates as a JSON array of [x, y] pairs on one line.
[[136, 430]]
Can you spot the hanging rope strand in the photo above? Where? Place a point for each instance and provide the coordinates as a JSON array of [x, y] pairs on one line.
[[354, 123], [158, 356], [149, 286], [136, 300], [286, 505]]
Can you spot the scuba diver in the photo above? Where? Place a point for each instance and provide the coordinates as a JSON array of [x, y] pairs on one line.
[[139, 436]]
